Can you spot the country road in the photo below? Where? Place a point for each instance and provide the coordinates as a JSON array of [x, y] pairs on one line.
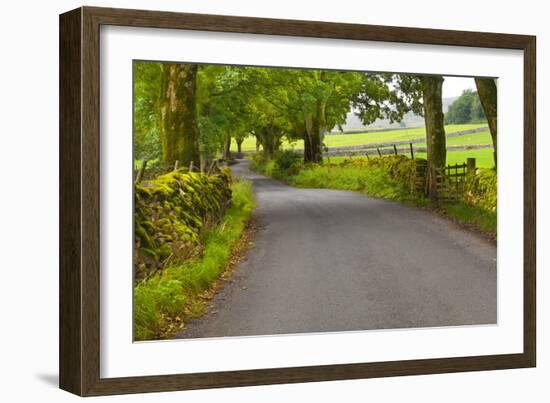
[[329, 260]]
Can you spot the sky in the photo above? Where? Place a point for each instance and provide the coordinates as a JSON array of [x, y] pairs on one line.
[[453, 86]]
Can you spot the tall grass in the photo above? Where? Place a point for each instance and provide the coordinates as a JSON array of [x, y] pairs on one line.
[[175, 294], [373, 181], [483, 219]]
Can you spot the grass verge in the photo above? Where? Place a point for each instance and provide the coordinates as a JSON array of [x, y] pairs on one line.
[[165, 302], [479, 218]]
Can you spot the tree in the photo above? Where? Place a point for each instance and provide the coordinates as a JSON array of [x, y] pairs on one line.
[[327, 97], [435, 129], [179, 132], [265, 106], [487, 90], [385, 96], [147, 77], [423, 96], [222, 103], [465, 109], [312, 102], [239, 138]]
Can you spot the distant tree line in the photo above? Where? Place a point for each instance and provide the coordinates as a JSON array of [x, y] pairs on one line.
[[466, 108]]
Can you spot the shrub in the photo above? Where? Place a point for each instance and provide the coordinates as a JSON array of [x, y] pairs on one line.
[[401, 170], [288, 162], [481, 189], [257, 162], [285, 163]]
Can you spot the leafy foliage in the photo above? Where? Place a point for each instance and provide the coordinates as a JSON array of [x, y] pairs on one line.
[[269, 104], [465, 109], [284, 164], [481, 189], [391, 177], [147, 79]]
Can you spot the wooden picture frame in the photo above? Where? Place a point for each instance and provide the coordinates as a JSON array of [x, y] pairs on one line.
[[80, 184]]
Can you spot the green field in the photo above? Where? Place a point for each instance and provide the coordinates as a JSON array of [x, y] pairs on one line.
[[339, 140], [484, 157], [467, 139]]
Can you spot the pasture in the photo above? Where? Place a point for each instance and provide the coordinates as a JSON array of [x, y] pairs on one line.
[[484, 157], [341, 140]]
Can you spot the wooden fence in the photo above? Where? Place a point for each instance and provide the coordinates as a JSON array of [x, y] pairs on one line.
[[209, 168], [451, 180], [401, 147]]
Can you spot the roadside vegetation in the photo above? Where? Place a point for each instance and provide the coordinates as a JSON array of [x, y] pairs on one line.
[[188, 118], [164, 302], [388, 177]]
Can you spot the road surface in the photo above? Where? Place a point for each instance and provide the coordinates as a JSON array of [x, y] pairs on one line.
[[330, 260]]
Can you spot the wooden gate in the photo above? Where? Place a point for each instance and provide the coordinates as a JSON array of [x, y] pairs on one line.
[[450, 182]]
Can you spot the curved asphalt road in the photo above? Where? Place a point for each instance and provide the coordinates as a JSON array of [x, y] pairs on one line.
[[329, 260]]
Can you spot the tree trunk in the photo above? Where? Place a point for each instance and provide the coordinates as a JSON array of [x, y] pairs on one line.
[[487, 91], [227, 147], [321, 130], [203, 161], [308, 155], [308, 130], [435, 129], [267, 143], [239, 144], [312, 139], [179, 132], [269, 137]]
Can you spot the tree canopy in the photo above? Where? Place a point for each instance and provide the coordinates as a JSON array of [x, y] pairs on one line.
[[216, 103], [189, 113]]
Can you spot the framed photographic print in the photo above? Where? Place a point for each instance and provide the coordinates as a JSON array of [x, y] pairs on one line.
[[248, 201]]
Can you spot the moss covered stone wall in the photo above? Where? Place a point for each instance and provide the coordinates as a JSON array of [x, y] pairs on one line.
[[171, 212]]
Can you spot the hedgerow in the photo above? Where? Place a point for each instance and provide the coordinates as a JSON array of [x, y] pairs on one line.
[[481, 189]]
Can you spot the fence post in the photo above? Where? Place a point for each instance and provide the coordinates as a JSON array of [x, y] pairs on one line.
[[395, 149], [176, 165], [379, 153], [471, 165], [215, 162], [412, 152], [456, 182], [141, 171]]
